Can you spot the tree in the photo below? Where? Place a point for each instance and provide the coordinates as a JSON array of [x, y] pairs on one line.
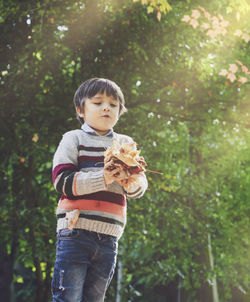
[[190, 122]]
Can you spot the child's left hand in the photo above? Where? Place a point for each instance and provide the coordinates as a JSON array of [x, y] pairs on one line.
[[114, 174], [133, 179], [121, 176]]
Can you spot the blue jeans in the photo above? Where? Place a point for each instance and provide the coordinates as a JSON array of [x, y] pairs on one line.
[[84, 267]]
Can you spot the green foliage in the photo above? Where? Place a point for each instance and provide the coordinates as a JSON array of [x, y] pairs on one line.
[[191, 124]]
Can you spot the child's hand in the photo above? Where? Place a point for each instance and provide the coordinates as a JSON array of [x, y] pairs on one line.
[[122, 176], [123, 164], [134, 178], [116, 173]]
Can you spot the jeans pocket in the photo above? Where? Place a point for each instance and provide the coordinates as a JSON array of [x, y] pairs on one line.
[[67, 234]]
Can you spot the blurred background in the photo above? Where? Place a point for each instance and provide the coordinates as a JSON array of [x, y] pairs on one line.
[[183, 68]]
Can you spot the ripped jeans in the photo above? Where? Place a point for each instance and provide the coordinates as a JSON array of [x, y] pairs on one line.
[[84, 267]]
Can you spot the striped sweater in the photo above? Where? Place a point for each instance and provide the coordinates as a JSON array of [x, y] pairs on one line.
[[78, 176]]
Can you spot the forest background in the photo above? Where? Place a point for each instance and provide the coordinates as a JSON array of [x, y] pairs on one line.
[[183, 67]]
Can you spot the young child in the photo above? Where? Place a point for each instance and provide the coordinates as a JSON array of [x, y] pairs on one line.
[[92, 209]]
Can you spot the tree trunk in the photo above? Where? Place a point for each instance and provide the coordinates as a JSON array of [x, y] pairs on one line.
[[119, 281], [7, 259], [6, 274], [211, 260], [204, 292]]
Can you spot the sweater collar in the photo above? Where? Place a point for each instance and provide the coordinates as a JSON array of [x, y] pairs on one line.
[[86, 128]]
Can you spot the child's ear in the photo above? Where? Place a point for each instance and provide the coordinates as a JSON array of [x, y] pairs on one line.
[[78, 110]]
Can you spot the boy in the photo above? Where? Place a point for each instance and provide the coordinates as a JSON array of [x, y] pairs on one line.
[[91, 212]]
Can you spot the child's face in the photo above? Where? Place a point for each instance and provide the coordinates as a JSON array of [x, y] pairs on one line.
[[101, 112]]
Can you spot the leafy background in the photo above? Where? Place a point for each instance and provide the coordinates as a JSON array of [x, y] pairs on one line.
[[187, 239]]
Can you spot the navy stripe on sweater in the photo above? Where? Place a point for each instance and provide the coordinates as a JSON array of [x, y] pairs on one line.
[[91, 165], [95, 217], [95, 149], [90, 161]]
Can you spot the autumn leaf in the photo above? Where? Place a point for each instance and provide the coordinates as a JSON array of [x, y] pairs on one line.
[[159, 16], [150, 9], [211, 33], [35, 138], [224, 23], [220, 17], [243, 80], [185, 18], [222, 31], [238, 33], [231, 77], [215, 20], [196, 14], [205, 25], [207, 15], [202, 8], [233, 68], [22, 160], [219, 31], [239, 62], [244, 69], [126, 153], [194, 23], [246, 38], [223, 72], [217, 26]]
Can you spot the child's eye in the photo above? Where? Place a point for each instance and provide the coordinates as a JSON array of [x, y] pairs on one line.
[[113, 105], [97, 103]]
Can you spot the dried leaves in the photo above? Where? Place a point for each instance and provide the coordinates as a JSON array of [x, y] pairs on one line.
[[125, 161]]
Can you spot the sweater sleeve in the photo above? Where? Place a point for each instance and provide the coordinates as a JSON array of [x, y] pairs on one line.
[[67, 178], [135, 190]]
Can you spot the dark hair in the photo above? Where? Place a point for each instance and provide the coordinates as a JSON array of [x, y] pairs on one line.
[[91, 87]]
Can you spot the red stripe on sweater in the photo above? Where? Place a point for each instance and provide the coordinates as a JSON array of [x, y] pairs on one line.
[[101, 196], [92, 205]]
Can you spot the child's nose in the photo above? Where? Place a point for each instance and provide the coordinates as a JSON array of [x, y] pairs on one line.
[[106, 107]]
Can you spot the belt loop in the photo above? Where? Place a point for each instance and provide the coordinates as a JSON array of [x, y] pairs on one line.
[[99, 236]]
